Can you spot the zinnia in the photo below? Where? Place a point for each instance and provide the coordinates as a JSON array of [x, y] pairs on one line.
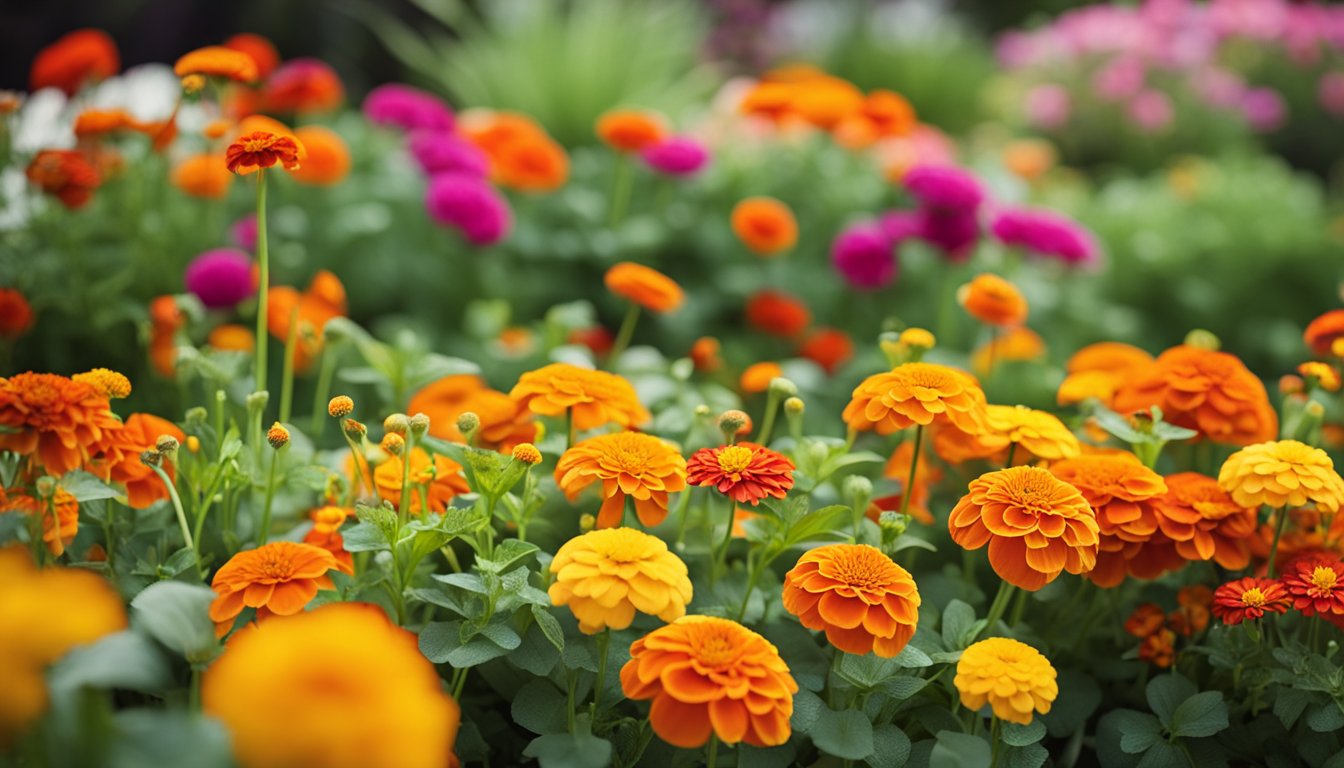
[[1322, 332], [278, 579], [863, 600], [59, 516], [1045, 233], [65, 174], [1028, 432], [217, 61], [120, 458], [204, 175], [220, 278], [1123, 493], [1099, 370], [829, 348], [777, 313], [1011, 676], [711, 676], [1315, 585], [470, 205], [606, 575], [1249, 598], [862, 254], [917, 394], [16, 314], [744, 472], [1204, 521], [323, 300], [407, 108], [437, 152], [765, 225], [993, 301], [945, 188], [504, 421], [593, 398], [74, 60], [632, 464], [630, 130], [261, 50], [54, 421], [258, 150], [303, 86], [327, 160], [678, 156], [1282, 473], [644, 286]]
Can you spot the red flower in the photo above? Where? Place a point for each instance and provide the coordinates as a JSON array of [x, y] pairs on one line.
[[828, 348], [66, 174], [1249, 598], [260, 149], [778, 314], [1147, 619], [1316, 586], [16, 314], [80, 57], [744, 472]]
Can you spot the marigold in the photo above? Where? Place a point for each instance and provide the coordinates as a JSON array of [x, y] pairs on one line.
[[777, 313], [592, 398], [323, 300], [303, 86], [328, 158], [644, 286], [232, 337], [917, 394], [336, 687], [1033, 434], [1159, 648], [993, 301], [260, 49], [757, 377], [77, 58], [744, 472], [1322, 332], [705, 354], [1123, 493], [252, 152], [441, 478], [119, 458], [1013, 345], [1249, 598], [278, 579], [16, 314], [112, 384], [1036, 526], [54, 421], [1326, 377], [627, 130], [1204, 521], [711, 676], [1315, 585], [504, 422], [217, 61], [521, 155], [632, 464], [829, 348], [1146, 619], [59, 516], [765, 225], [95, 122], [65, 174], [605, 576], [863, 600], [1098, 370], [1011, 676], [1282, 473]]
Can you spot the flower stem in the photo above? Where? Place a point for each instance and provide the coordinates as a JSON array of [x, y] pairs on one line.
[[404, 508], [287, 371], [721, 559], [997, 608], [768, 423], [603, 643], [712, 759], [264, 530], [914, 465], [1278, 532], [324, 377], [181, 515], [624, 335], [263, 281], [620, 190]]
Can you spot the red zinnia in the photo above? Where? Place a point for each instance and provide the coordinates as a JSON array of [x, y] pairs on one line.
[[16, 314], [65, 173], [1248, 598], [82, 56], [778, 314], [261, 149], [744, 472], [828, 348], [1316, 586]]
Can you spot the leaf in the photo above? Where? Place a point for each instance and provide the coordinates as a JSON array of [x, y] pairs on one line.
[[867, 671], [1163, 755], [469, 581], [913, 658], [535, 654], [365, 537], [86, 487], [159, 737], [1136, 730], [549, 625], [177, 615], [540, 708], [502, 635], [1325, 718], [510, 552], [439, 638], [959, 750], [891, 747], [1029, 756], [1289, 704], [807, 707], [847, 734], [1023, 735], [1166, 692], [1079, 697], [1203, 714], [476, 651], [957, 618], [125, 659], [580, 749]]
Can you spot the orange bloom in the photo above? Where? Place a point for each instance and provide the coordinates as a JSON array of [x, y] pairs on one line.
[[521, 155], [1211, 392], [708, 675], [1036, 434], [303, 86], [265, 124], [323, 300], [777, 313], [217, 61], [864, 601], [757, 377], [326, 533], [765, 225], [744, 472], [261, 50], [628, 130], [1159, 648], [592, 398], [917, 393], [1035, 525], [59, 515], [1014, 344], [993, 301], [1322, 332], [1029, 159], [645, 286], [16, 314], [1321, 374], [204, 175], [56, 422], [1192, 617], [1249, 598], [441, 479], [328, 158], [65, 174], [80, 57], [1204, 521], [505, 422], [705, 354], [120, 458], [252, 152], [278, 579], [926, 475], [890, 113], [1315, 586], [829, 348], [1098, 370], [96, 122], [1145, 620], [232, 337], [1123, 493], [632, 464]]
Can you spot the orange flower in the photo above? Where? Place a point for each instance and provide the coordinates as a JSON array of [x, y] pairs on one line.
[[890, 113], [261, 50], [521, 155], [16, 314], [757, 377], [278, 579], [56, 422], [993, 301], [59, 516], [264, 124], [1036, 434], [917, 394], [765, 225], [777, 313], [120, 458], [864, 601], [326, 533], [1249, 598], [829, 348], [95, 122], [628, 130], [1035, 525], [705, 354], [632, 464], [708, 675], [217, 61], [323, 300], [1014, 344], [1145, 620], [1204, 521], [592, 398], [744, 472], [1192, 617], [328, 158], [1211, 392], [80, 57], [442, 480], [1123, 493], [232, 337], [1159, 648], [302, 86], [252, 152], [1322, 332], [1029, 159], [898, 469], [1098, 370], [65, 174], [505, 422], [646, 287], [204, 176]]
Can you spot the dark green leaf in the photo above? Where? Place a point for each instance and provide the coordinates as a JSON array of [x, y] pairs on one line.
[[123, 660], [1166, 692], [1325, 718], [847, 734], [580, 749], [1164, 755], [959, 750], [1289, 703], [549, 625], [1079, 697], [540, 708], [439, 638], [1030, 756], [477, 650], [1023, 735], [957, 618], [807, 706], [177, 615], [1203, 714], [891, 747], [536, 654], [157, 737]]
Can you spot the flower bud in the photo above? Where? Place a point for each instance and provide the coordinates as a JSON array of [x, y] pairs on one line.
[[167, 446], [702, 410], [397, 424], [419, 424], [892, 348], [340, 406], [918, 338], [193, 444], [393, 444], [151, 458], [782, 387], [1202, 339], [256, 402], [732, 422], [859, 490], [196, 416], [193, 84], [794, 405], [354, 429], [277, 436], [587, 522], [45, 487], [527, 453], [893, 524], [467, 423]]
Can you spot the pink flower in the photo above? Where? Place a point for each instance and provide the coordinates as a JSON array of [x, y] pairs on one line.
[[944, 187], [1151, 110], [1330, 91], [1045, 233], [862, 254], [1219, 87], [955, 233], [1264, 109], [439, 152], [407, 108], [1048, 106], [469, 205], [676, 156], [244, 232], [1120, 79], [900, 226], [220, 278]]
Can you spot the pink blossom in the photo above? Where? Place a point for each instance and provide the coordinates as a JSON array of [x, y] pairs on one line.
[[407, 108], [1264, 109], [220, 278], [1151, 110], [676, 156], [440, 152], [1120, 79], [1045, 233], [1048, 106], [944, 187], [862, 254], [469, 205], [244, 232]]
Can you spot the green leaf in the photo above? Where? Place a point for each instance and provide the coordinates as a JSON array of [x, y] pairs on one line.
[[469, 581], [365, 537], [1289, 704], [177, 615], [1136, 730], [159, 737], [1029, 756], [580, 749], [86, 487], [847, 734], [901, 688], [957, 618], [867, 671], [509, 553], [913, 658], [1203, 714], [1023, 735], [540, 708], [439, 638], [535, 654], [475, 651], [1166, 692], [1325, 718], [549, 625], [891, 747], [807, 707], [959, 750], [125, 659], [502, 635], [1163, 755], [1079, 697]]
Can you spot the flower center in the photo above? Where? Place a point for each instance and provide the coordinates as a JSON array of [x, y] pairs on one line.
[[1253, 598], [1323, 579], [255, 144], [734, 459], [714, 648], [862, 567], [622, 545], [277, 568]]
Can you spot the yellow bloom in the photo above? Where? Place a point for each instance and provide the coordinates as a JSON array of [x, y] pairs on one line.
[[1324, 375], [1282, 473], [1039, 433], [112, 384], [608, 574], [1012, 677]]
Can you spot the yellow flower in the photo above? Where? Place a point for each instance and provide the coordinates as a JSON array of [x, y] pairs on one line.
[[917, 338], [1324, 375], [608, 574], [112, 384], [1039, 433], [527, 453], [1282, 473], [1012, 677]]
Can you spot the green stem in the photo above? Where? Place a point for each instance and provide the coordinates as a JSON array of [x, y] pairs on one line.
[[754, 571], [181, 516], [914, 465], [195, 696], [994, 743], [620, 189], [603, 643], [1019, 606], [404, 508], [263, 281], [264, 531], [997, 608], [712, 759], [320, 395], [569, 428], [287, 369], [768, 423], [1012, 451], [1280, 525], [721, 559], [624, 335]]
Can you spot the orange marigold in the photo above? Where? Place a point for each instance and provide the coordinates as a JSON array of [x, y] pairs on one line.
[[328, 157], [521, 155], [260, 49], [1030, 434], [56, 422], [505, 422], [1123, 493], [863, 600], [65, 174], [632, 464], [993, 301], [711, 676], [217, 61], [917, 394], [1204, 522], [323, 300], [1098, 370], [777, 313], [592, 398], [1322, 332], [441, 480], [765, 225], [1249, 598], [96, 122], [627, 130], [757, 377], [1192, 615], [80, 57], [119, 459], [258, 150], [645, 286], [278, 579], [605, 576], [59, 516], [744, 472]]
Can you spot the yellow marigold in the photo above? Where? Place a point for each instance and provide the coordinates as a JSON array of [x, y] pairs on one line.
[[109, 382], [1039, 433], [1011, 676], [1098, 370], [1013, 345], [593, 398], [217, 61], [340, 406], [1322, 373], [1282, 473], [336, 687], [606, 575], [526, 453], [863, 600], [917, 394], [629, 464], [645, 286]]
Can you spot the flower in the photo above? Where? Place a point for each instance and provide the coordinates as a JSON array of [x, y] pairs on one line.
[[302, 86], [1045, 233], [955, 233], [112, 384], [862, 254], [118, 459], [65, 174], [291, 694], [644, 286], [95, 122], [441, 478], [606, 575], [1192, 617], [1324, 376], [777, 313], [258, 150], [1039, 433], [327, 160], [829, 348], [59, 515], [1249, 598], [632, 464], [765, 225], [916, 394], [1204, 390], [1036, 526], [1029, 159], [744, 472], [323, 300], [74, 60], [705, 354], [1011, 676], [436, 152], [341, 406], [1159, 648], [16, 314], [326, 533], [203, 175], [276, 579], [1204, 521], [470, 205], [217, 61], [1098, 370], [757, 377], [261, 50], [527, 453], [944, 187], [220, 278], [1321, 333], [1048, 106], [676, 156], [54, 421], [593, 398], [407, 108], [1315, 585], [627, 130], [1123, 493], [863, 600], [522, 156], [993, 301], [708, 675], [504, 422], [1282, 473], [1146, 619]]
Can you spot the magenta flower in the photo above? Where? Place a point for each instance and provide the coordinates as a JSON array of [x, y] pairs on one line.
[[1045, 233], [407, 108], [439, 152], [1120, 79], [862, 254], [244, 232], [469, 205], [944, 187], [676, 156], [1048, 106], [955, 233], [900, 226], [1264, 109], [221, 278]]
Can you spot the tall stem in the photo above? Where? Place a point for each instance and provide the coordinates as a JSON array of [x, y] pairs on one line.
[[721, 559], [263, 281], [181, 515], [624, 335], [1274, 548], [914, 465], [603, 643], [264, 532], [997, 608], [768, 423], [404, 508], [324, 377], [287, 370], [620, 189]]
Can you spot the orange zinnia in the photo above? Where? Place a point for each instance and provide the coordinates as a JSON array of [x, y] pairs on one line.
[[65, 174], [326, 532], [1322, 332], [645, 286], [120, 461], [323, 300], [765, 225], [829, 348], [778, 314], [279, 579], [217, 61], [592, 398], [1123, 493], [1098, 370], [863, 600], [632, 464], [204, 176], [705, 354], [628, 130], [258, 150], [917, 394], [96, 122], [75, 59], [54, 421], [59, 516], [261, 50], [441, 479], [1145, 620], [1013, 345], [328, 158], [522, 156], [1031, 433], [757, 377], [711, 676], [505, 422], [744, 472], [993, 301], [1204, 521], [1249, 598], [232, 337], [1036, 526]]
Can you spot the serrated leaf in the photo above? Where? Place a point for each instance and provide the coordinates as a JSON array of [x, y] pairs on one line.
[[847, 734]]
